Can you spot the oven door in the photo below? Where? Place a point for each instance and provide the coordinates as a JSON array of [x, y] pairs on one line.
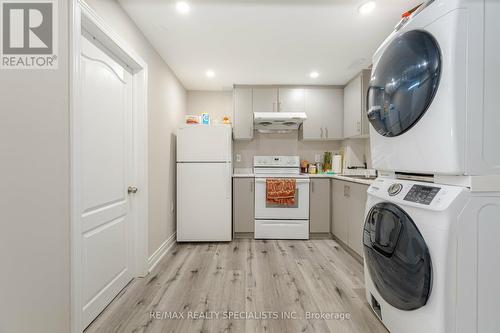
[[299, 211]]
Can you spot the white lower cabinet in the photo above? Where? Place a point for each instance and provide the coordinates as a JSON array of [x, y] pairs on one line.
[[243, 204], [319, 210], [348, 215]]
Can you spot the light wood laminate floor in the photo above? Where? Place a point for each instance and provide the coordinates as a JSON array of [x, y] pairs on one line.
[[246, 277]]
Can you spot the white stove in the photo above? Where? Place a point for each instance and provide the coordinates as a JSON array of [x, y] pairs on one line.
[[274, 221]]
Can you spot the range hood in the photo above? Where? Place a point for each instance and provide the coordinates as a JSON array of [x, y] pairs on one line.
[[278, 122]]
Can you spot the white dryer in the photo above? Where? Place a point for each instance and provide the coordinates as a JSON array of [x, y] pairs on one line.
[[431, 257], [433, 99]]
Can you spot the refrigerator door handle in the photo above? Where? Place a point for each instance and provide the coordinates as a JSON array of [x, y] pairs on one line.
[[229, 181]]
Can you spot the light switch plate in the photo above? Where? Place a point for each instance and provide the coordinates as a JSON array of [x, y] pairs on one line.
[[238, 157], [317, 158]]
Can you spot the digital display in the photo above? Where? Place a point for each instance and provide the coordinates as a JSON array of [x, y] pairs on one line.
[[421, 194]]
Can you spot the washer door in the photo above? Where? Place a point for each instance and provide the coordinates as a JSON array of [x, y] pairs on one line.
[[403, 83], [397, 257]]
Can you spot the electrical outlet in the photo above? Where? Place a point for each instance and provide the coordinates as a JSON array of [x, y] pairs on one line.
[[317, 158], [238, 157]]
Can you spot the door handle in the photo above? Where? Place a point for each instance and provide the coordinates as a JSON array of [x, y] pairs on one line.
[[132, 190]]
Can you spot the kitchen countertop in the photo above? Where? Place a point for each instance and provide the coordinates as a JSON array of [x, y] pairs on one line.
[[360, 180]]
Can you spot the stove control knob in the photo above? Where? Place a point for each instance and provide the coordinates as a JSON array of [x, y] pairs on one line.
[[394, 189]]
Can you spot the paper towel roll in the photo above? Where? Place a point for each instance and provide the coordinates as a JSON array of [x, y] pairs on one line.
[[337, 164]]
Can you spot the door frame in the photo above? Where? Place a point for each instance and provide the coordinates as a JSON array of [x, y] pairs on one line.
[[85, 18]]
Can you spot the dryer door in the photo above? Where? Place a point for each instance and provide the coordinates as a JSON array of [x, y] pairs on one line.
[[403, 83], [397, 257]]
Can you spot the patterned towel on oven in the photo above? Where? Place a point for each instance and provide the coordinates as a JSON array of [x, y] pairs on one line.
[[280, 191]]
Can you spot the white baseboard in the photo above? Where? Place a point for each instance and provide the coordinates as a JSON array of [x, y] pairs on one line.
[[155, 258]]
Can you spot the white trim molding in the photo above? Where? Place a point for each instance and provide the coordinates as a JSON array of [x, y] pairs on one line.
[[158, 255], [84, 18]]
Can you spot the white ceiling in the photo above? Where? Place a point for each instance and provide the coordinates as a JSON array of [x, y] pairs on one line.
[[265, 41]]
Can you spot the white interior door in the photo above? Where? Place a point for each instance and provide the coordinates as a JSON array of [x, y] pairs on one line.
[[105, 137]]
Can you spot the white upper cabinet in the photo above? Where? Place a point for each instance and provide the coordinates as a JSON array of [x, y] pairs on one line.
[[291, 100], [243, 114], [265, 99], [324, 107], [355, 120], [325, 111]]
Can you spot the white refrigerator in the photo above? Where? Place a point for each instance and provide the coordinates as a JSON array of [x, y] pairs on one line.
[[204, 173]]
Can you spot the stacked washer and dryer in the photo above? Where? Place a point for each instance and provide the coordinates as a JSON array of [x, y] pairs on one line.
[[431, 245]]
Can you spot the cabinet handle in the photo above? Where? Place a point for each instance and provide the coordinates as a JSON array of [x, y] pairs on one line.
[[251, 186], [358, 126], [326, 135], [347, 191], [279, 106], [321, 128], [312, 186]]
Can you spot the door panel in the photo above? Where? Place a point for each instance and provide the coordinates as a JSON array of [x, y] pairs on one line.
[[352, 107], [320, 205], [105, 147], [340, 222], [204, 201], [357, 203], [291, 100], [243, 204], [312, 128], [397, 257], [243, 114], [404, 83], [197, 143], [265, 100], [333, 113], [300, 210]]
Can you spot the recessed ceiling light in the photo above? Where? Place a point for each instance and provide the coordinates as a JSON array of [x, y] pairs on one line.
[[367, 7], [210, 73], [314, 74], [182, 7]]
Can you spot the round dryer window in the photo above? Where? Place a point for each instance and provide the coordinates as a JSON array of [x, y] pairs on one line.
[[403, 83], [397, 257]]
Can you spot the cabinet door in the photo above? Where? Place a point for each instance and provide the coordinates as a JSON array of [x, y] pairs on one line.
[[312, 128], [319, 219], [352, 108], [243, 114], [291, 100], [243, 204], [265, 100], [357, 203], [340, 214], [332, 105]]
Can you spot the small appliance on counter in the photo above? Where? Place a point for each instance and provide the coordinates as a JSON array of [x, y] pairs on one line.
[[337, 164]]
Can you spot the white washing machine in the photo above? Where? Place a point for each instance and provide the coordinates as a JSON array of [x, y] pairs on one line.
[[433, 98], [431, 257]]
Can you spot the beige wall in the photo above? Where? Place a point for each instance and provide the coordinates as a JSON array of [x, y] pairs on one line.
[[280, 144], [167, 108], [34, 200], [357, 152], [217, 103]]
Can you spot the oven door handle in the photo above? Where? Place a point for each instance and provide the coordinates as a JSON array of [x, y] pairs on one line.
[[297, 180]]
